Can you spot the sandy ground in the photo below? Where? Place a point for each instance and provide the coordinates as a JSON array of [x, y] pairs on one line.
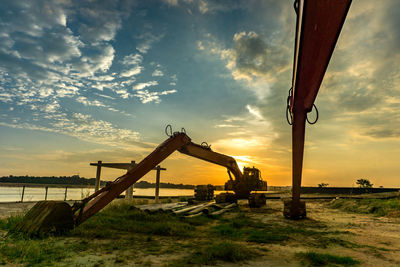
[[378, 237]]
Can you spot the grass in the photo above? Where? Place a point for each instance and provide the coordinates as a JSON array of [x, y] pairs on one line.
[[227, 251], [379, 207], [244, 228], [127, 235], [124, 218], [10, 222], [119, 227], [30, 252], [322, 259]]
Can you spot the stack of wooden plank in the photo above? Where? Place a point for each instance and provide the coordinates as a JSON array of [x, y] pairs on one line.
[[183, 209], [204, 192]]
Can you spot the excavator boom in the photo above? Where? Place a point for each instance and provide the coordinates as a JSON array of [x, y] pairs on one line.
[[176, 141], [47, 216], [205, 153]]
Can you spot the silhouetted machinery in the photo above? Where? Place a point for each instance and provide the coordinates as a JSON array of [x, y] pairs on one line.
[[58, 216]]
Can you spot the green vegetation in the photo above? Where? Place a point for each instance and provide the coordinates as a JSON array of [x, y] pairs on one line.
[[244, 228], [145, 184], [379, 207], [322, 259], [123, 219], [30, 252], [10, 222], [219, 251], [63, 180], [364, 183], [123, 234]]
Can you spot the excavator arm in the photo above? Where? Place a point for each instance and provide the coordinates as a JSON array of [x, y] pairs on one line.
[[101, 198], [205, 153], [47, 216]]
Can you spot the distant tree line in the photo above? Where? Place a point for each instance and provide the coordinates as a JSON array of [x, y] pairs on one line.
[[67, 180], [144, 184], [77, 180]]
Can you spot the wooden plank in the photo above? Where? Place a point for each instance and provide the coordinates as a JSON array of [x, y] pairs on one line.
[[199, 209], [122, 166], [188, 209]]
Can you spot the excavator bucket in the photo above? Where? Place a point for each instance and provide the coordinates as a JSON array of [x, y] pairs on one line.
[[46, 217]]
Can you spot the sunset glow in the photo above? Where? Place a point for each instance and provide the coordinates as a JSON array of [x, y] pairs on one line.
[[82, 82]]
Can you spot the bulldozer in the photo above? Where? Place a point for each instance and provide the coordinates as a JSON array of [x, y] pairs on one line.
[[58, 216]]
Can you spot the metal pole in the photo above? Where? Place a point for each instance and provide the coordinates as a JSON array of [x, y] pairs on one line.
[[97, 183], [23, 192], [298, 136], [65, 194], [157, 193], [45, 197]]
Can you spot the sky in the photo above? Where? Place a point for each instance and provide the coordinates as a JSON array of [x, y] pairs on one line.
[[82, 81]]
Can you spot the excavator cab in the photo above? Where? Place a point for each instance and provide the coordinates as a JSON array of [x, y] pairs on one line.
[[252, 173], [251, 181]]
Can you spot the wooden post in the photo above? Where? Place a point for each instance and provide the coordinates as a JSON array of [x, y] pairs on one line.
[[65, 194], [45, 196], [23, 192], [129, 191], [97, 182], [158, 168]]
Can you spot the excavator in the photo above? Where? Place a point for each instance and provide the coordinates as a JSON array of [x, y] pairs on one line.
[[58, 216]]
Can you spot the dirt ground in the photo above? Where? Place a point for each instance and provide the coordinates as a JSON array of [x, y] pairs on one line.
[[377, 239]]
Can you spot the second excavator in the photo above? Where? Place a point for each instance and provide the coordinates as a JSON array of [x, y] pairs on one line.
[[58, 216]]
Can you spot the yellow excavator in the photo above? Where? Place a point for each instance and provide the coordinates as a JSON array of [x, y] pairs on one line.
[[58, 216]]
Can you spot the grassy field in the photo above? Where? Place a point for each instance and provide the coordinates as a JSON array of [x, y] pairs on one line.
[[379, 207], [124, 235]]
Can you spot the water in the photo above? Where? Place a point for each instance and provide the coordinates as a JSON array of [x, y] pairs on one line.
[[13, 194]]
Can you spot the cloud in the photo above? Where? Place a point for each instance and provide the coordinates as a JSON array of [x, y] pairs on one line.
[[141, 86], [83, 127], [246, 134], [132, 59], [215, 6], [255, 111], [147, 40], [131, 72], [171, 2], [253, 59], [146, 97], [86, 102], [157, 73], [101, 19]]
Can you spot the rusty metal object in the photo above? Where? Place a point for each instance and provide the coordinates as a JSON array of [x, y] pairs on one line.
[[89, 206], [176, 141], [226, 198], [293, 210], [46, 217], [318, 26], [257, 200]]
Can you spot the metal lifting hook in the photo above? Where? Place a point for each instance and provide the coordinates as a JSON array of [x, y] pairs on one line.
[[205, 145], [288, 107], [317, 115], [168, 130]]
